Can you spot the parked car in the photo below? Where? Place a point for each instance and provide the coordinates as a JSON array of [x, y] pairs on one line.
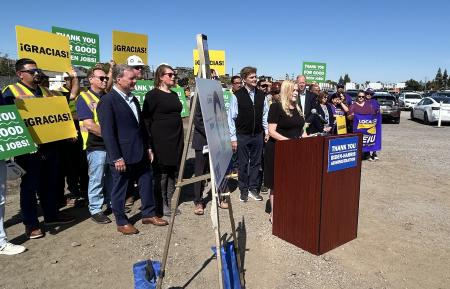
[[428, 109], [353, 93], [408, 100], [388, 106]]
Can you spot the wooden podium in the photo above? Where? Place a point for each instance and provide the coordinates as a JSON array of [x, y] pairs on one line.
[[317, 183]]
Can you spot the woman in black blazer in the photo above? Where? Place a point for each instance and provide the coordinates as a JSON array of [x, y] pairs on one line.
[[323, 108]]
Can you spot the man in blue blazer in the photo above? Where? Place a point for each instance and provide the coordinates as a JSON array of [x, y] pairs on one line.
[[128, 147]]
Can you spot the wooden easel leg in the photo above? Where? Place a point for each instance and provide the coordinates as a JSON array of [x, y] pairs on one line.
[[236, 243]]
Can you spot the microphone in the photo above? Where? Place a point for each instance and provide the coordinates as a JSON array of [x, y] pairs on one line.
[[314, 112]]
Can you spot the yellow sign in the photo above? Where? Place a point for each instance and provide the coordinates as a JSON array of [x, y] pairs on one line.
[[47, 118], [50, 51], [341, 124], [216, 59], [126, 44]]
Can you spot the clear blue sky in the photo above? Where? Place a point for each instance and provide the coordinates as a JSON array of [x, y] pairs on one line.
[[390, 41]]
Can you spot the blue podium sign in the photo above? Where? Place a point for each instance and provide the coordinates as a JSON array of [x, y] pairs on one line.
[[342, 153]]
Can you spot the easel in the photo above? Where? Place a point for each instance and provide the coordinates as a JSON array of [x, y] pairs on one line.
[[203, 72]]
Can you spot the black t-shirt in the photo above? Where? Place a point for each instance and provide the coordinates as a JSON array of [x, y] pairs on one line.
[[288, 126]]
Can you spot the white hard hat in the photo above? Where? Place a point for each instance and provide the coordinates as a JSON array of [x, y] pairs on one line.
[[135, 60]]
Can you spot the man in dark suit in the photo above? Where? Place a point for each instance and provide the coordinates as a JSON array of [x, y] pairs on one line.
[[306, 99], [128, 148]]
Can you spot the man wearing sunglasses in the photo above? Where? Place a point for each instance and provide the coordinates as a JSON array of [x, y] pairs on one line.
[[42, 166], [100, 181], [137, 64]]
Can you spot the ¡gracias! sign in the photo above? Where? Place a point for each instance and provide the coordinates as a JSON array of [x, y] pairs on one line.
[[216, 59], [126, 44], [48, 118], [50, 51]]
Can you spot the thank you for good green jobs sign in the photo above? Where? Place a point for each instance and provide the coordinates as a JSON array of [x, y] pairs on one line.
[[84, 46], [314, 71], [14, 136], [141, 89], [144, 86]]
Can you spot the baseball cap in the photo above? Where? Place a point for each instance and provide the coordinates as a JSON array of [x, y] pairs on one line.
[[370, 91], [135, 60]]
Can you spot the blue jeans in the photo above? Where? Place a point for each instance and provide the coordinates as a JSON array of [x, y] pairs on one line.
[[3, 239], [100, 181]]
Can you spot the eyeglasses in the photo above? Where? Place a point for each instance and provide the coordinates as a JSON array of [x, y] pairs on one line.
[[32, 71], [103, 78], [138, 67], [361, 96], [170, 74]]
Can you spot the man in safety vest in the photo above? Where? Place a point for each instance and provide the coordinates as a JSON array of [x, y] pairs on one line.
[[100, 180], [43, 166], [75, 171]]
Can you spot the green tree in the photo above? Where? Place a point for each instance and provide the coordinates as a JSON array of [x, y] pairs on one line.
[[341, 80], [6, 66], [347, 78], [413, 85], [438, 79], [445, 79]]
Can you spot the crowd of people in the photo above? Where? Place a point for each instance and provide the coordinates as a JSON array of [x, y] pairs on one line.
[[121, 149]]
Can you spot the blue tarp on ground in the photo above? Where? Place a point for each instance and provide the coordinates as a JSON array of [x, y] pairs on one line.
[[229, 267], [140, 279]]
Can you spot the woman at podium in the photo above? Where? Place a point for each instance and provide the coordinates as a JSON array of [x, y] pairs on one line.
[[286, 122]]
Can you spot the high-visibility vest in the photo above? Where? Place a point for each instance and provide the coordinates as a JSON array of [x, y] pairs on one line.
[[20, 91], [72, 102], [91, 100]]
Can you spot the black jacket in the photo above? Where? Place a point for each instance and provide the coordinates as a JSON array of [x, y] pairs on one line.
[[123, 135], [315, 124], [199, 137], [250, 114]]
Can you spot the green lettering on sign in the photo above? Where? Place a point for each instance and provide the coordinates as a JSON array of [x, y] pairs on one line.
[[14, 136]]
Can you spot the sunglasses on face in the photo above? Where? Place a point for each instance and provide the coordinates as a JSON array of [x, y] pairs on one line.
[[32, 71], [138, 67], [170, 74], [103, 78], [361, 96], [264, 86]]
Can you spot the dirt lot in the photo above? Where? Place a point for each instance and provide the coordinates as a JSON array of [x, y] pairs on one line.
[[403, 237]]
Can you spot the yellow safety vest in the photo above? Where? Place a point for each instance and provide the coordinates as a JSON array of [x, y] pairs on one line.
[[21, 91], [72, 102], [91, 100]]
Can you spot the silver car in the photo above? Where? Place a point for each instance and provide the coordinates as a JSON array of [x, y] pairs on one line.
[[429, 108]]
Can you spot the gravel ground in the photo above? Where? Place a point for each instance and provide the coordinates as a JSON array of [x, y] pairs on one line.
[[403, 236]]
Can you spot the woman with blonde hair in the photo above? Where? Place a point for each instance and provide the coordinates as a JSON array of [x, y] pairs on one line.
[[285, 122]]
